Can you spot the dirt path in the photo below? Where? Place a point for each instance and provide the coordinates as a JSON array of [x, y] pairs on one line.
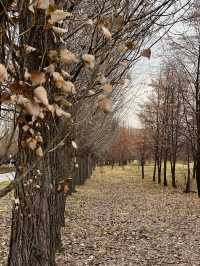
[[115, 219], [122, 221]]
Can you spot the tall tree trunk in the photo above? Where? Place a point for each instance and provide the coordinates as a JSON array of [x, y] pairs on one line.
[[194, 168], [159, 171], [38, 213], [142, 168], [198, 171], [173, 173], [154, 169], [159, 168], [160, 156], [31, 237], [188, 181], [198, 126], [165, 169]]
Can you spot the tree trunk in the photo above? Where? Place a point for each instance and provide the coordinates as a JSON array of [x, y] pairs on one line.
[[160, 155], [154, 170], [198, 125], [194, 169], [173, 173], [32, 241], [159, 170], [38, 213], [187, 188], [198, 174], [142, 168], [165, 170]]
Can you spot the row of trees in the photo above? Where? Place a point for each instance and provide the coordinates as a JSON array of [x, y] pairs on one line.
[[62, 64], [172, 112]]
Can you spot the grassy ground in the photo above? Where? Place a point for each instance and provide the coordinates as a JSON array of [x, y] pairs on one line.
[[118, 219], [135, 170]]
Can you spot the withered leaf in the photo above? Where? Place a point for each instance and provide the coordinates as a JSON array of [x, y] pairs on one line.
[[130, 45], [23, 89], [146, 53]]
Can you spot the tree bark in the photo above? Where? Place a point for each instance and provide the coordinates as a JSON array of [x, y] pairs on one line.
[[159, 167], [194, 168], [154, 170], [198, 125], [142, 168], [165, 169], [31, 236], [38, 213], [188, 181], [173, 173]]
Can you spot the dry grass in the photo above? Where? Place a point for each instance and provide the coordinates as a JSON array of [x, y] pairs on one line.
[[134, 171], [118, 219]]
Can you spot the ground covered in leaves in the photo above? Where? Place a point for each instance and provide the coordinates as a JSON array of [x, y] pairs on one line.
[[118, 219]]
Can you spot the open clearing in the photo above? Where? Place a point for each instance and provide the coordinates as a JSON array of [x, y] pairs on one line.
[[118, 219]]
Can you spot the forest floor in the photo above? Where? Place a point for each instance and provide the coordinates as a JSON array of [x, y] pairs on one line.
[[118, 219]]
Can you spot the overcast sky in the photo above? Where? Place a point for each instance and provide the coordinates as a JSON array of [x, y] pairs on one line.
[[142, 74], [146, 70]]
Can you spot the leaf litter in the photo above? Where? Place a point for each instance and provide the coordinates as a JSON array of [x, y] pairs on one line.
[[122, 220]]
